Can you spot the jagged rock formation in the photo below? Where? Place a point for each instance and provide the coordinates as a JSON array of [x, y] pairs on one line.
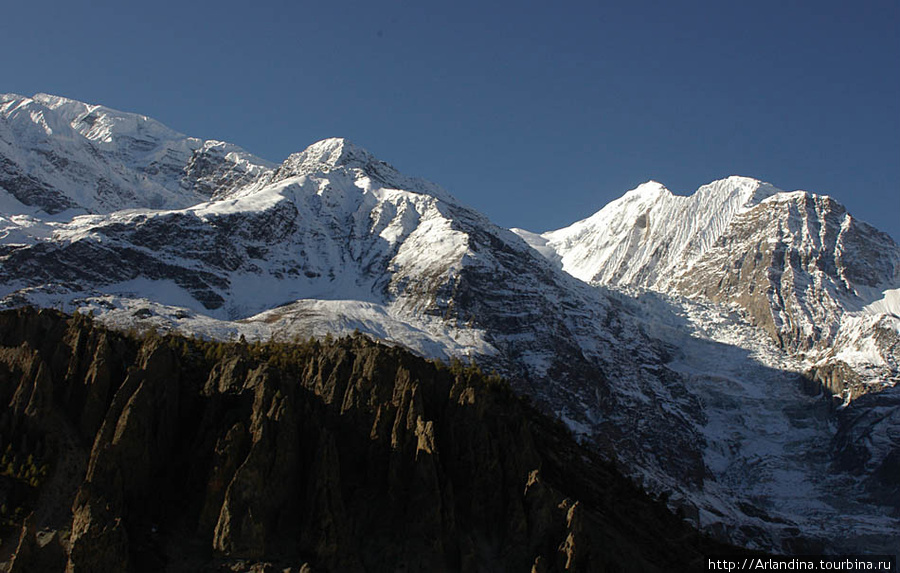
[[173, 454]]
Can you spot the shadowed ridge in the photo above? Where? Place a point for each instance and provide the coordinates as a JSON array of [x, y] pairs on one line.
[[344, 455]]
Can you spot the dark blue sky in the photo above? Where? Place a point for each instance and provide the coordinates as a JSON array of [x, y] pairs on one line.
[[535, 113]]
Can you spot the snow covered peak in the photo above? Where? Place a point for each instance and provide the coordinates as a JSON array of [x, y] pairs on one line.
[[336, 151], [649, 189], [337, 154], [101, 125], [643, 236], [325, 156], [65, 156]]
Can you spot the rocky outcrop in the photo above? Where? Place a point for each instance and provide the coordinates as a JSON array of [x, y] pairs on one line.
[[794, 264], [173, 454]]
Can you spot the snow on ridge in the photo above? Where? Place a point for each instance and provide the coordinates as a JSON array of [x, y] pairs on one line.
[[339, 154], [641, 237], [104, 125], [651, 188], [79, 157], [889, 303], [9, 97], [135, 146], [538, 242], [325, 155]]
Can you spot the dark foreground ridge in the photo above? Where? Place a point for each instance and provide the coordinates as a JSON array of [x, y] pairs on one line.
[[161, 453]]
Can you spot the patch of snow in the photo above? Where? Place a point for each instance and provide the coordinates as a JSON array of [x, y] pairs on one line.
[[540, 244], [889, 303]]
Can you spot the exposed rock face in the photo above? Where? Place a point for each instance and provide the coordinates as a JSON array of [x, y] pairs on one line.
[[797, 266], [803, 269], [794, 263], [347, 456]]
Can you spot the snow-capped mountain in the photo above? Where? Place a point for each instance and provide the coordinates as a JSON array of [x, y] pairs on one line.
[[648, 234], [820, 282], [335, 240], [59, 155]]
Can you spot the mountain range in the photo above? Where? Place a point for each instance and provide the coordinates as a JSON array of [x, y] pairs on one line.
[[735, 351]]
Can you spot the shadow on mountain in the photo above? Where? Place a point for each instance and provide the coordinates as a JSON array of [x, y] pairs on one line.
[[173, 454], [778, 447]]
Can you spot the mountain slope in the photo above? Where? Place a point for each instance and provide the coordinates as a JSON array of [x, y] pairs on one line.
[[738, 255], [339, 240], [813, 271]]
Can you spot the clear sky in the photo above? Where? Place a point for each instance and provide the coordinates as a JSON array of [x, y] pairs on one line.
[[535, 113]]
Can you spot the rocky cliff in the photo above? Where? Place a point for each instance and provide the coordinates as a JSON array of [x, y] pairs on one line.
[[166, 453]]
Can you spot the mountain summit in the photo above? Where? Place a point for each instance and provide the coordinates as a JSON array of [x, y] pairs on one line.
[[328, 154], [640, 238]]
